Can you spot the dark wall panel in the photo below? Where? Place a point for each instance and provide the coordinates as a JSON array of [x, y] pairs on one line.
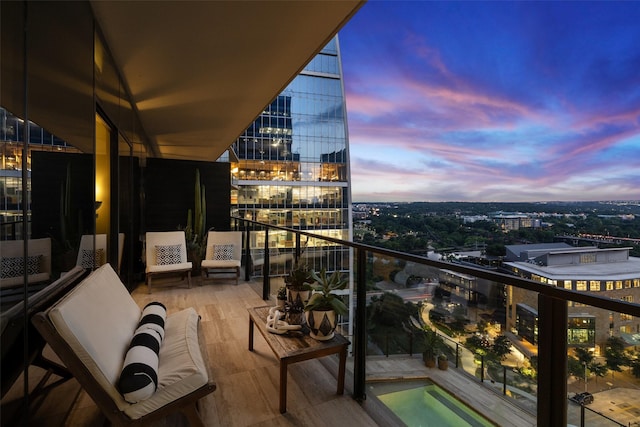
[[48, 184], [169, 193], [132, 267], [12, 87]]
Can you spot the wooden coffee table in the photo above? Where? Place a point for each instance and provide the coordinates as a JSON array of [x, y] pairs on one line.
[[292, 348]]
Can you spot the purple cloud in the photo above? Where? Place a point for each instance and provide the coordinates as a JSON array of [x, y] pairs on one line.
[[503, 101]]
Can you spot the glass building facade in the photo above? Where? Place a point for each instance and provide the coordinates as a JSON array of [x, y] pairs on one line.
[[12, 135], [292, 164]]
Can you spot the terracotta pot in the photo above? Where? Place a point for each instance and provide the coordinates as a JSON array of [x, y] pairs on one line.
[[429, 362], [443, 364], [322, 324]]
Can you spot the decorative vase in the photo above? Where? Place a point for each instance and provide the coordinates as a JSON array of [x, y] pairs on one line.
[[298, 298], [322, 324], [295, 318]]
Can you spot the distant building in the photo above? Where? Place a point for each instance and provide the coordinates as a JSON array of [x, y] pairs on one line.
[[609, 272], [291, 168], [514, 221], [474, 218]]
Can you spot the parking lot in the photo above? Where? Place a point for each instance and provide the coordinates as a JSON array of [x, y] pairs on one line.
[[619, 404]]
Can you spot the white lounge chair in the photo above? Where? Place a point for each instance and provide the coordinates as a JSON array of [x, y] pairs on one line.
[[166, 253], [223, 255], [89, 259], [12, 260]]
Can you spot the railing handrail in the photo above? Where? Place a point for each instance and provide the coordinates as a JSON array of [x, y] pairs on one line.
[[582, 297]]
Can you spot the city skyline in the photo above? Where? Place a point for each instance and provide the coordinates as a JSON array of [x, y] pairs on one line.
[[493, 101]]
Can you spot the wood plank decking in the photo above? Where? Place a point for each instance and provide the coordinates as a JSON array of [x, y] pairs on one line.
[[248, 382]]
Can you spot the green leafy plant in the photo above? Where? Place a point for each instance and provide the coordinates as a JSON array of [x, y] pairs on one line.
[[323, 298], [282, 293], [299, 278], [427, 339]]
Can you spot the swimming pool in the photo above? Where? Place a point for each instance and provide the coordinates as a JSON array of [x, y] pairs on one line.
[[425, 404]]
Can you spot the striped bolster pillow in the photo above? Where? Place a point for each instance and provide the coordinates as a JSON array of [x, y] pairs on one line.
[[139, 377]]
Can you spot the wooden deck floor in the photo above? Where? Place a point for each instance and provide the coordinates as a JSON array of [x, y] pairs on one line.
[[247, 382]]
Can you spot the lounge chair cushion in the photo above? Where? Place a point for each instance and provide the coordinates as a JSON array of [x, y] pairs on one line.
[[80, 317], [12, 262], [101, 345]]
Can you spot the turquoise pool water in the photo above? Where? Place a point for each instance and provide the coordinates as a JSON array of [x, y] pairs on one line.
[[426, 405]]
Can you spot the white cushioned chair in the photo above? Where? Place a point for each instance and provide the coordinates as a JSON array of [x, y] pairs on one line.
[[91, 329], [223, 256], [86, 249], [12, 260], [166, 253], [88, 257]]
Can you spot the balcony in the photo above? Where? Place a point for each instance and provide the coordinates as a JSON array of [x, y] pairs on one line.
[[452, 298]]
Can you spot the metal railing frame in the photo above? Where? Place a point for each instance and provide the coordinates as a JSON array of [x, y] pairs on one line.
[[552, 303]]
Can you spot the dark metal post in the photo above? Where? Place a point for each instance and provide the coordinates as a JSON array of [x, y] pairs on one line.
[[457, 354], [410, 344], [360, 329], [504, 380], [247, 252], [297, 255], [482, 369], [552, 363], [265, 267], [582, 416]]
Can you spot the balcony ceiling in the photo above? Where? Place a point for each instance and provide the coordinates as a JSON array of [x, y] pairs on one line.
[[200, 72]]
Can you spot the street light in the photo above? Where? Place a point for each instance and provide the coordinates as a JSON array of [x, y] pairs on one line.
[[585, 375]]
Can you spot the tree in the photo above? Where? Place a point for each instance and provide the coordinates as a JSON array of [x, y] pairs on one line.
[[584, 355], [482, 326], [478, 344], [574, 367], [460, 318], [614, 354], [599, 370], [501, 347]]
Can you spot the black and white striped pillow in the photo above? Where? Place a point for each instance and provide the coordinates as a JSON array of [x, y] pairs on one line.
[[139, 378]]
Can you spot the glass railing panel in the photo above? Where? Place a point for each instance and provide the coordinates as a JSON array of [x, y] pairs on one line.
[[603, 364], [484, 328], [486, 324]]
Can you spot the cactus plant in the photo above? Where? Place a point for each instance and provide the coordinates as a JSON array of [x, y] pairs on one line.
[[196, 229]]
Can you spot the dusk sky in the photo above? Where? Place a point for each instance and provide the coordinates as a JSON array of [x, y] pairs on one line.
[[493, 101]]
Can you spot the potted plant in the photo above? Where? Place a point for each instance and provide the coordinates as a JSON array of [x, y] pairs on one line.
[[324, 306], [298, 285], [431, 342], [196, 231], [443, 362], [281, 297]]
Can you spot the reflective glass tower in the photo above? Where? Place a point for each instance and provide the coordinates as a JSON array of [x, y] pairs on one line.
[[292, 167]]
